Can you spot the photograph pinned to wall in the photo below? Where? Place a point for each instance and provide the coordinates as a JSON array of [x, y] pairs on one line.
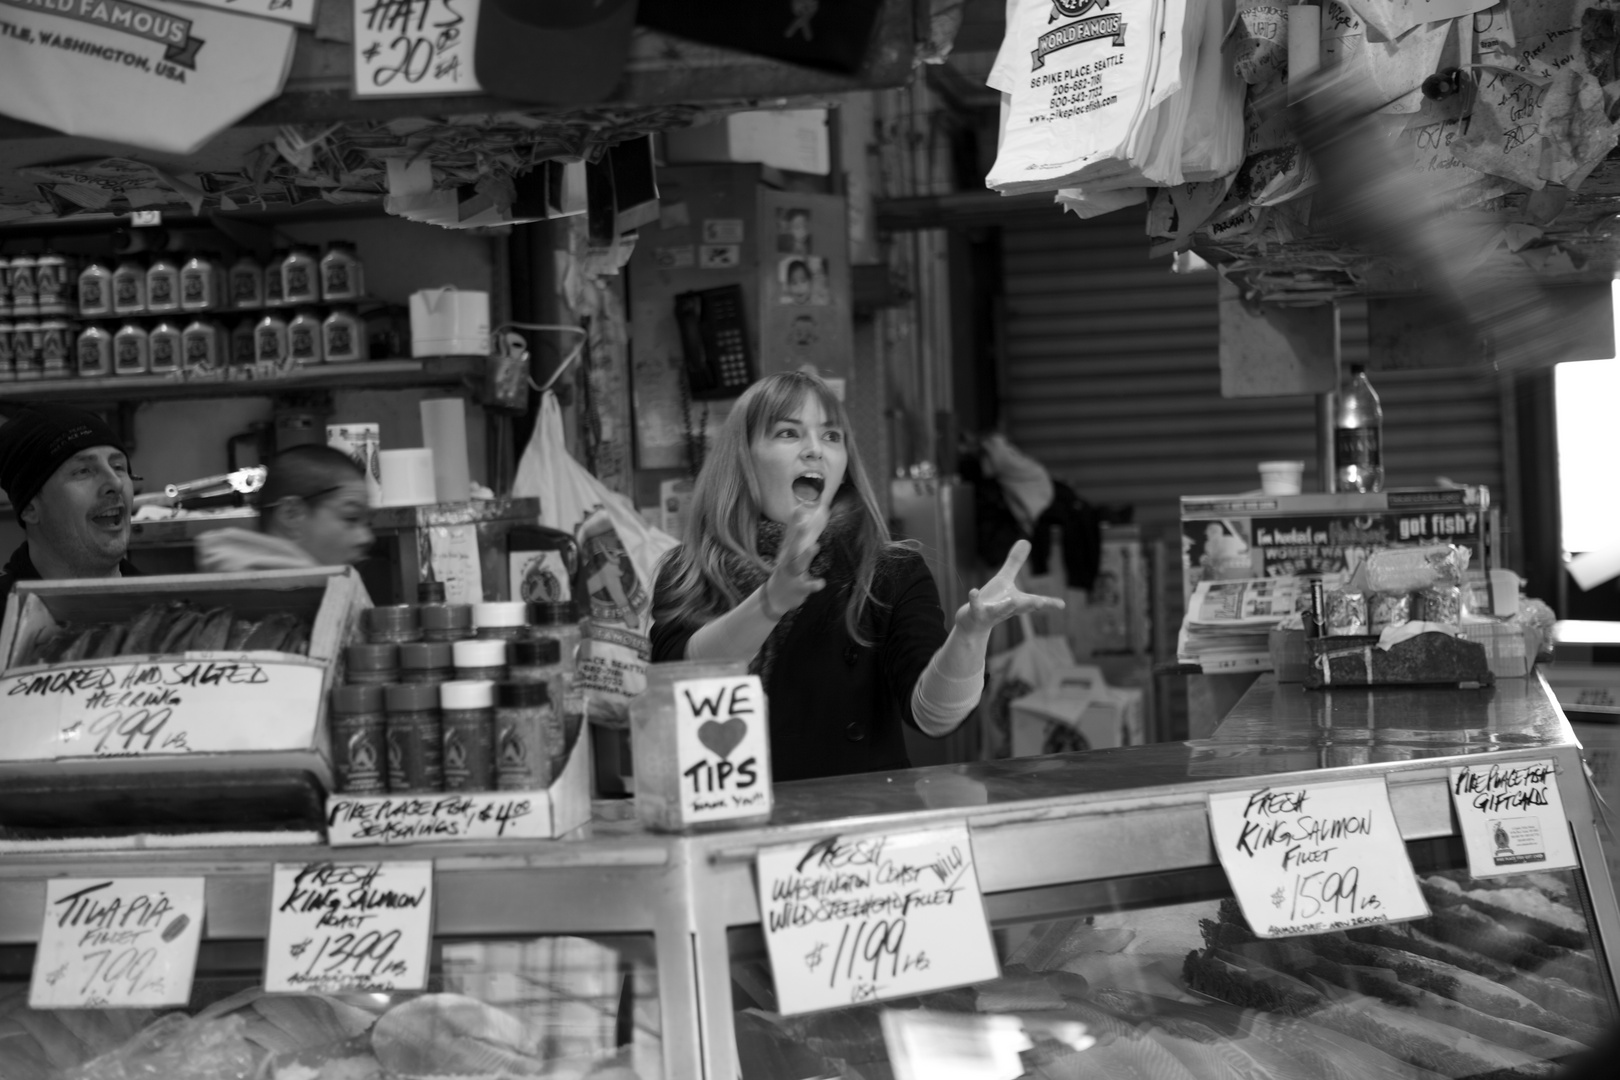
[[803, 279], [802, 333], [793, 230]]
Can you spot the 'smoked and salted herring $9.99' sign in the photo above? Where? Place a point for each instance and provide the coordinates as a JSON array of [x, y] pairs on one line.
[[117, 943], [1311, 858], [349, 926], [863, 918]]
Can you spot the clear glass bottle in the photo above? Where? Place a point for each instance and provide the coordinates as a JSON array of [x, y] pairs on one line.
[[163, 284], [304, 337], [1358, 434], [163, 347], [94, 352], [131, 350], [343, 337], [557, 619], [95, 290], [342, 275], [246, 283], [270, 339], [129, 287]]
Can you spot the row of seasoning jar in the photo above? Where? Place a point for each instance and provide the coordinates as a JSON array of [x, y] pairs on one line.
[[202, 282], [377, 663], [465, 735], [36, 284], [495, 620]]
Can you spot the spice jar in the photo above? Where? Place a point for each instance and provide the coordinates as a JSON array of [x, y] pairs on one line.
[[479, 661], [372, 663], [430, 592], [246, 280], [304, 337], [300, 277], [95, 290], [500, 620], [163, 344], [342, 276], [270, 339], [162, 284], [343, 337], [130, 350], [526, 735], [94, 352], [129, 287], [8, 358], [537, 661], [426, 661], [445, 622], [25, 358], [200, 345], [24, 290], [199, 281], [467, 714], [559, 620], [51, 284], [415, 737], [359, 739], [53, 348], [391, 622]]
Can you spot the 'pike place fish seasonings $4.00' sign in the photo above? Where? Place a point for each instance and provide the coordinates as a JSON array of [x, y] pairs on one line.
[[1316, 857]]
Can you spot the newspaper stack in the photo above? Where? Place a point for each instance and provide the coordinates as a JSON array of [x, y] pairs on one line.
[[1104, 98], [1227, 622]]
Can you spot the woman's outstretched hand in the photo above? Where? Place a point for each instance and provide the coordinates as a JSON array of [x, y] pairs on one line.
[[1001, 599], [790, 583]]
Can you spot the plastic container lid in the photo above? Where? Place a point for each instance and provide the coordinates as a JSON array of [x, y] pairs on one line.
[[552, 612], [357, 699], [393, 617], [368, 656], [425, 655], [430, 592], [520, 695], [479, 653], [412, 697], [502, 613], [533, 653], [467, 694], [445, 617]]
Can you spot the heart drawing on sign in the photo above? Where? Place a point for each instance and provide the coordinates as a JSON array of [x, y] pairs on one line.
[[722, 738]]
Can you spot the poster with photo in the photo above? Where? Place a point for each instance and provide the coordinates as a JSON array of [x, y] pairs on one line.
[[794, 230], [803, 279]]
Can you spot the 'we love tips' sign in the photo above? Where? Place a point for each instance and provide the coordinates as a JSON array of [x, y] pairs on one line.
[[701, 743]]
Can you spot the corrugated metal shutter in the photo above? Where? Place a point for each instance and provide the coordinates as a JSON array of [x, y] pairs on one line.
[[1112, 380]]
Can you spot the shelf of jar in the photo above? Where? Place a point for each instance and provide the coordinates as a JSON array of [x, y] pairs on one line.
[[244, 381]]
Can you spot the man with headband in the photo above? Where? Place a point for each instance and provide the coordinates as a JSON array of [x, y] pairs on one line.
[[67, 475]]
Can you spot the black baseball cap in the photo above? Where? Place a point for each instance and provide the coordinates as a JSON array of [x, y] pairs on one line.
[[553, 52]]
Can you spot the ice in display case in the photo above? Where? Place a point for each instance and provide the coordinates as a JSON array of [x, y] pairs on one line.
[[613, 953]]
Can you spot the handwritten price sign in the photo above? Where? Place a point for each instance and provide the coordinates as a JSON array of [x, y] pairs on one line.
[[117, 943], [411, 48], [1512, 818], [1313, 858], [863, 918], [338, 926]]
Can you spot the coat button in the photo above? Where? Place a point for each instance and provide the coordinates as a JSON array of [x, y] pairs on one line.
[[855, 731]]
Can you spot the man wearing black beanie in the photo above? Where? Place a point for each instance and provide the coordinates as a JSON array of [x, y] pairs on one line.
[[68, 478]]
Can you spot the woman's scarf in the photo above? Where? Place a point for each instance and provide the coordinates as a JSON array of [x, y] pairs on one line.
[[834, 563]]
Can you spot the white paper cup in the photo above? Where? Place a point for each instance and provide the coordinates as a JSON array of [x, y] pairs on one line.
[[1281, 477], [1504, 592]]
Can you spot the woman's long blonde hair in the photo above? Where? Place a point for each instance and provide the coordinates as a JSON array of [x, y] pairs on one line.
[[723, 521]]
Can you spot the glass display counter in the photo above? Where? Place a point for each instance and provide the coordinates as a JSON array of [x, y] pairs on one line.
[[617, 954]]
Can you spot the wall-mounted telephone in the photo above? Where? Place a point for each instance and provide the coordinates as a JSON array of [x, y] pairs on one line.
[[714, 341]]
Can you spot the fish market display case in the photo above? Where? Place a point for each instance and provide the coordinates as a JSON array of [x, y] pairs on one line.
[[1108, 908], [613, 953]]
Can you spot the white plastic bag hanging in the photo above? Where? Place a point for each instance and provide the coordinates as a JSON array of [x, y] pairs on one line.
[[618, 557]]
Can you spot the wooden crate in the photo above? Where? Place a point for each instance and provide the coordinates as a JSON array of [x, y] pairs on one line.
[[173, 742]]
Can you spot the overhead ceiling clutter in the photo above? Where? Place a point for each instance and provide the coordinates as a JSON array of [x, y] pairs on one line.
[[481, 116]]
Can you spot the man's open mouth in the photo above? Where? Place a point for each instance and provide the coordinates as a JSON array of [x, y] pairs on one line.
[[113, 517], [808, 487]]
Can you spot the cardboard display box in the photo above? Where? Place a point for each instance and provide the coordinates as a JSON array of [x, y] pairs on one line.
[[134, 742], [1231, 537]]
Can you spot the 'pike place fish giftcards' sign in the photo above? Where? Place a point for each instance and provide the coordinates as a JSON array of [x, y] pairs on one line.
[[1315, 857], [863, 918], [1512, 818]]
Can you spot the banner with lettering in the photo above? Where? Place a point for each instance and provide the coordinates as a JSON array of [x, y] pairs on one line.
[[155, 74], [210, 704]]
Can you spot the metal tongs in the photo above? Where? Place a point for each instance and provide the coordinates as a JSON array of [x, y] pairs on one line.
[[242, 481]]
